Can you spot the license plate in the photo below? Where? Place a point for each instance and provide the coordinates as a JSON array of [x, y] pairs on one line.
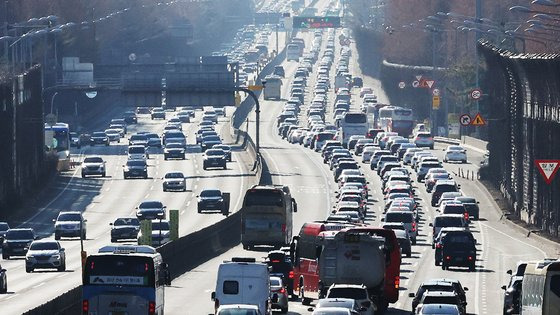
[[18, 249], [459, 258]]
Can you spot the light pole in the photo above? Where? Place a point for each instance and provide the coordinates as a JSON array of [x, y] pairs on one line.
[[52, 100]]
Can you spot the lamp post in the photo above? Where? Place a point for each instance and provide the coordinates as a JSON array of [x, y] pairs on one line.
[[522, 9]]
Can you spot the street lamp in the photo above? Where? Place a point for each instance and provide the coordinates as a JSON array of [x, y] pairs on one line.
[[520, 8], [547, 3]]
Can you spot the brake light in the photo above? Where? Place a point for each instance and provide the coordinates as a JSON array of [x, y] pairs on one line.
[[470, 257], [282, 290], [397, 282], [317, 137], [275, 261], [466, 216], [283, 227], [85, 306], [152, 308], [448, 257], [413, 226], [438, 245], [291, 275]]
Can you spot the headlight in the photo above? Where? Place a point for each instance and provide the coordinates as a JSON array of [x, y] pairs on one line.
[[56, 256], [126, 169], [165, 151]]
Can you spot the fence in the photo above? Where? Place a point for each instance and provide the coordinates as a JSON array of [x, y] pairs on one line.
[[524, 126], [22, 157]]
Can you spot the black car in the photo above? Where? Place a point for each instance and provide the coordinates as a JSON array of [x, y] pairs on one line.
[[471, 205], [124, 229], [214, 158], [3, 281], [209, 141], [279, 71], [210, 199], [227, 150], [4, 227], [16, 242], [357, 82], [99, 137], [130, 117], [135, 168], [174, 151], [150, 210], [458, 248], [281, 266]]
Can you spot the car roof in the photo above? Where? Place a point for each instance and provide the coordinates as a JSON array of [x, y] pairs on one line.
[[440, 293], [69, 212]]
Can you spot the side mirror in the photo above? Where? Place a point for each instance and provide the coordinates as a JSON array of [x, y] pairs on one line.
[[54, 220], [366, 304], [411, 294], [504, 287], [62, 249], [478, 202], [310, 309], [3, 270], [431, 224], [111, 224], [465, 289], [333, 212], [85, 220], [509, 272], [382, 219], [213, 296], [274, 298]]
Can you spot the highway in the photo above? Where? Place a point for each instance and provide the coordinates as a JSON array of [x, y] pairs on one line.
[[102, 200], [499, 246]]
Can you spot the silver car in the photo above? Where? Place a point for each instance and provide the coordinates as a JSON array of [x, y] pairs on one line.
[[278, 294], [45, 254], [93, 165], [70, 224], [174, 181]]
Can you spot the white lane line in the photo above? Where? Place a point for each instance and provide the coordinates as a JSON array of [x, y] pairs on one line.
[[182, 212], [11, 296], [146, 196], [38, 285], [513, 238], [152, 187], [195, 187], [188, 203], [477, 280]]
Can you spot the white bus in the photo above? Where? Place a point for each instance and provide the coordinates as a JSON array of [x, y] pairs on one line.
[[352, 124], [540, 293], [273, 88], [293, 52]]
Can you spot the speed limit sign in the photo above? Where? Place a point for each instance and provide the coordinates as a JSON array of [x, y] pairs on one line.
[[476, 94]]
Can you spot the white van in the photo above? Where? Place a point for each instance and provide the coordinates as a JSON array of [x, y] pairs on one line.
[[243, 281]]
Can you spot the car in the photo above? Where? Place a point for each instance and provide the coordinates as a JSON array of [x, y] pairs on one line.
[[45, 254], [278, 294], [161, 232], [4, 227], [130, 117], [424, 167], [150, 210], [184, 117], [70, 224], [208, 142], [424, 140], [157, 113], [174, 181], [118, 128], [346, 303], [455, 153], [135, 168], [174, 151], [280, 265], [99, 137], [214, 158], [3, 281], [471, 204], [210, 199], [119, 122], [113, 134], [75, 140], [458, 248], [93, 165], [334, 311], [16, 242], [353, 291], [143, 110], [138, 139], [441, 187], [441, 285], [439, 309], [512, 295], [226, 148], [441, 297], [404, 242], [153, 140], [407, 218], [124, 229], [238, 309], [438, 245], [137, 152]]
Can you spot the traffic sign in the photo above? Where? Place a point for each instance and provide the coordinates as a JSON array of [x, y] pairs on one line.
[[475, 94], [478, 121], [430, 83], [255, 87], [415, 84], [402, 85], [435, 102], [418, 77], [465, 120], [548, 169], [435, 92]]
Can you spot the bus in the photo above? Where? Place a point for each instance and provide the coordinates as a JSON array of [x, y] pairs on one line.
[[125, 279], [273, 87], [540, 293], [396, 119], [267, 216], [57, 138], [352, 124], [293, 52], [303, 253]]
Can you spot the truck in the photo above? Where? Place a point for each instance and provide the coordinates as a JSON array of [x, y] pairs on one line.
[[273, 87], [243, 281], [354, 257], [342, 81]]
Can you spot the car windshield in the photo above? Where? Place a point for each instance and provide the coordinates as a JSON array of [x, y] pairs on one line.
[[160, 226], [440, 300], [335, 303], [138, 138], [150, 204], [449, 221], [238, 311], [211, 193], [350, 293], [174, 145], [19, 235], [127, 222], [136, 150], [93, 160], [275, 282], [398, 217], [69, 217], [98, 134], [211, 138], [4, 226], [135, 163], [215, 152], [44, 246], [174, 175]]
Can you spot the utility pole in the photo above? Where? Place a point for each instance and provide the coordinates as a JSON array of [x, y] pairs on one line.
[[478, 16]]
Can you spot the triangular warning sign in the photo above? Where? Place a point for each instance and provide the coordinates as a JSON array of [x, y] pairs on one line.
[[548, 169], [418, 77], [478, 121], [430, 83]]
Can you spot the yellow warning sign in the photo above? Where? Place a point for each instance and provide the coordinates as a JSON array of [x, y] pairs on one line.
[[435, 102], [478, 121]]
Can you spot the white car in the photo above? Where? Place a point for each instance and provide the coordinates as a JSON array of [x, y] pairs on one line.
[[243, 309], [45, 254], [455, 153], [93, 165], [357, 292], [367, 154], [70, 224], [174, 181]]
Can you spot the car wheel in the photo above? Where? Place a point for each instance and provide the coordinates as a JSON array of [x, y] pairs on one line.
[[414, 241], [104, 174], [409, 254], [56, 236], [107, 144], [62, 267], [464, 161], [472, 267], [28, 270], [165, 158], [437, 262], [284, 310], [125, 177], [84, 235], [443, 266], [5, 288], [225, 167], [145, 176], [5, 255], [113, 240], [431, 147], [83, 175], [164, 190]]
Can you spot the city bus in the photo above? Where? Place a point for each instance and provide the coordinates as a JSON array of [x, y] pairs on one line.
[[540, 293], [57, 138], [351, 124], [125, 279], [396, 119], [267, 216], [293, 52]]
